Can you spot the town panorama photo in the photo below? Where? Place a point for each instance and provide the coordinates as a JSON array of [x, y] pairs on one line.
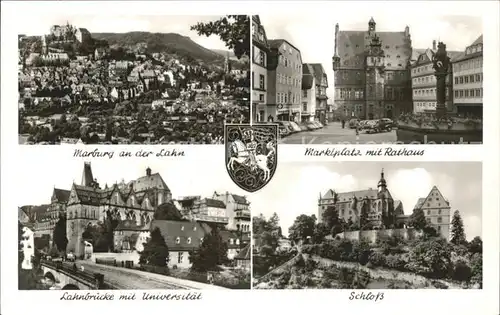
[[369, 79], [151, 80]]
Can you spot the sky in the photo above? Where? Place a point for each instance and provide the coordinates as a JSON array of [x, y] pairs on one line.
[[295, 188], [184, 177], [315, 35], [40, 24]]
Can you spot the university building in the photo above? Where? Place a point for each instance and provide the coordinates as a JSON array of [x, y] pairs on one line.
[[133, 205], [372, 77], [424, 82], [468, 79]]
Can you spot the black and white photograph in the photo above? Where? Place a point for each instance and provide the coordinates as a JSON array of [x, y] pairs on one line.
[[132, 79], [130, 226], [387, 78], [370, 225]]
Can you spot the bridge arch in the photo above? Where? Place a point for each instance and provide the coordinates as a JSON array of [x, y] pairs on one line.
[[49, 275], [71, 286]]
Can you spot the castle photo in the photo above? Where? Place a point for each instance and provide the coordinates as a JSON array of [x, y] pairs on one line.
[[371, 225], [137, 224]]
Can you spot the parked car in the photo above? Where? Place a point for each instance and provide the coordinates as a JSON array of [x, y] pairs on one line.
[[377, 126], [362, 124], [287, 125], [295, 126], [388, 123], [283, 131], [70, 257], [311, 126], [303, 126], [353, 123]]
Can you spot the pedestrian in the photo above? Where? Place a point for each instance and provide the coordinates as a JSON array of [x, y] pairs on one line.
[[343, 124]]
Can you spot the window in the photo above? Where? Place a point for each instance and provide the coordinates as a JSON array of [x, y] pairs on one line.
[[189, 240], [466, 79], [478, 78], [439, 211], [261, 97], [182, 228], [261, 82], [262, 58], [304, 93], [471, 78], [180, 257], [304, 107], [461, 80], [440, 220], [178, 240], [237, 242]]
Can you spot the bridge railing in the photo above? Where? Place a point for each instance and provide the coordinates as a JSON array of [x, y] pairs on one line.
[[93, 280]]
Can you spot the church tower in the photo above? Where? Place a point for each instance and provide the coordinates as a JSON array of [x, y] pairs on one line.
[[371, 26], [87, 177], [382, 184], [336, 57]]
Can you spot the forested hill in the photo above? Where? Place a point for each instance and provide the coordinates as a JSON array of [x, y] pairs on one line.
[[160, 42]]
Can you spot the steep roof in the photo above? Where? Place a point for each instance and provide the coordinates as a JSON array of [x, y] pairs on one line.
[[190, 234], [62, 195], [149, 181], [244, 254], [353, 45], [87, 195], [131, 225], [479, 40], [276, 43], [227, 235], [215, 203], [419, 203], [318, 71], [240, 199], [346, 196]]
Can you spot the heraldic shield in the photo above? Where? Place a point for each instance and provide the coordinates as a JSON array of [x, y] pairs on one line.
[[251, 154]]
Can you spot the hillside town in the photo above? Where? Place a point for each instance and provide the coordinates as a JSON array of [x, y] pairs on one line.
[[74, 88], [382, 82], [139, 227], [364, 239]]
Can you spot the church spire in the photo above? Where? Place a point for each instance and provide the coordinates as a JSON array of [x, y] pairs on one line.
[[382, 184], [87, 177]]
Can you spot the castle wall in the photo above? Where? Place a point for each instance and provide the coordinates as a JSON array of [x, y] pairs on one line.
[[373, 235]]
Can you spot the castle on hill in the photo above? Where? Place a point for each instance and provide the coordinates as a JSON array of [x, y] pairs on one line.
[[382, 211]]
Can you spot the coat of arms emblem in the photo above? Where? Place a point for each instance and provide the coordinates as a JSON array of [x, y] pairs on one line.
[[251, 154]]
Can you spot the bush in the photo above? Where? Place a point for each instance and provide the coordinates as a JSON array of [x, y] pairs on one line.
[[361, 252], [395, 262], [461, 271], [311, 265], [377, 259], [431, 258], [477, 269]]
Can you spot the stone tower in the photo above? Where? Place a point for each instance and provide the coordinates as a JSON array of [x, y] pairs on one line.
[[375, 77], [87, 176]]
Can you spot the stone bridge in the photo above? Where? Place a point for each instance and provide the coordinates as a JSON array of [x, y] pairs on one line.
[[86, 275], [67, 278]]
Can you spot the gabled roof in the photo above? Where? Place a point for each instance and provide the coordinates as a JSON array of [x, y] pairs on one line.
[[131, 225], [61, 195], [353, 45], [244, 254], [184, 231], [147, 182], [276, 43], [479, 40], [318, 72], [347, 196], [215, 203], [434, 195], [240, 199]]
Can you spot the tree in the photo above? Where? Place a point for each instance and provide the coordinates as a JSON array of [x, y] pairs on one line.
[[155, 251], [417, 219], [59, 234], [274, 222], [167, 211], [270, 241], [302, 228], [476, 245], [259, 224], [233, 30], [332, 220], [320, 232], [211, 253], [431, 257], [457, 229]]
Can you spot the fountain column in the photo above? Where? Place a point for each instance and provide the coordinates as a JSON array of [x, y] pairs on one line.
[[441, 63]]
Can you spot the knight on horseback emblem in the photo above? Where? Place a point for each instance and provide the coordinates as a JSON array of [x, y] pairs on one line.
[[251, 154]]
